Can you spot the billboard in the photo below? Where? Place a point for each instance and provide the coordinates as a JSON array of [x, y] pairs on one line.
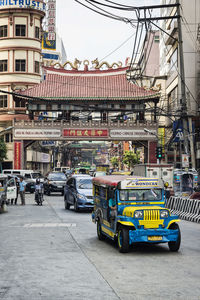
[[47, 44], [33, 4]]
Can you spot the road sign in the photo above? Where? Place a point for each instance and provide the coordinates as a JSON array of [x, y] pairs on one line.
[[185, 160]]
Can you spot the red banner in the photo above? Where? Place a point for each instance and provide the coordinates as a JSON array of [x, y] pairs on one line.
[[17, 155], [85, 133]]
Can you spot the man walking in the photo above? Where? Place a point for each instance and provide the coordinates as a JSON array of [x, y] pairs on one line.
[[22, 189]]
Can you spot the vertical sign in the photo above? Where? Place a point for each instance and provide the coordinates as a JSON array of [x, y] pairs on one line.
[[51, 20], [17, 155]]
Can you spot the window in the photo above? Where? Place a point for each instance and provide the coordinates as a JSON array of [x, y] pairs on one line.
[[20, 65], [21, 103], [3, 101], [37, 32], [3, 31], [173, 63], [156, 39], [3, 65], [37, 67], [20, 30]]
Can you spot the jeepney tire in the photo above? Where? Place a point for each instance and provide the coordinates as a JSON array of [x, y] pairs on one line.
[[174, 246], [100, 235], [123, 240]]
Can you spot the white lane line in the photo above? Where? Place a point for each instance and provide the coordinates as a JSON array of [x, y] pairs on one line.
[[49, 225]]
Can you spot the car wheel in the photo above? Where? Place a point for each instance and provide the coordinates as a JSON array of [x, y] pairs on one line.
[[100, 235], [67, 205], [76, 208], [174, 246], [123, 240]]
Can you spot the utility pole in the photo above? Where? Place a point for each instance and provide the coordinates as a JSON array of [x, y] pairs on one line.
[[184, 116]]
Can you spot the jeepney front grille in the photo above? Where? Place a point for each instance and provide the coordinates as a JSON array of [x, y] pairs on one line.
[[151, 214]]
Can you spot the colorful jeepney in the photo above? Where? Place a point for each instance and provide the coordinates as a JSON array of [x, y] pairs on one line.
[[141, 214]]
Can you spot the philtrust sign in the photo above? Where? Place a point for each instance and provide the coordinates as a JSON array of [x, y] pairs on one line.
[[23, 4], [37, 133], [135, 133]]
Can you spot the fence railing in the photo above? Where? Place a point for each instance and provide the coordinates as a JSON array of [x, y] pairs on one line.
[[186, 209]]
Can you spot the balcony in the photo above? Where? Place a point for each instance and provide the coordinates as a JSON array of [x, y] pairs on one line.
[[173, 32]]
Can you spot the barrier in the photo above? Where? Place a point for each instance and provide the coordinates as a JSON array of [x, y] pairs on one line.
[[185, 208]]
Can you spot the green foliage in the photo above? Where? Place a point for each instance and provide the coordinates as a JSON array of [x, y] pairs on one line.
[[114, 161], [3, 150], [130, 158]]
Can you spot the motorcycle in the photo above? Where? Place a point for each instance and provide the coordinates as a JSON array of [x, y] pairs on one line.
[[39, 195]]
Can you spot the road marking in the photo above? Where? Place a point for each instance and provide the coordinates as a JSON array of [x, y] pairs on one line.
[[49, 225]]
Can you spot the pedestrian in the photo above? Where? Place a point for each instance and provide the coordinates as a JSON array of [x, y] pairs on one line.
[[17, 186], [22, 189], [167, 191]]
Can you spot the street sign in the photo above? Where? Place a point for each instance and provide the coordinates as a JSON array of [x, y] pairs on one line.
[[185, 160]]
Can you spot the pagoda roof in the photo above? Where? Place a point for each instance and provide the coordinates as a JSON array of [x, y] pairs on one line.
[[60, 84]]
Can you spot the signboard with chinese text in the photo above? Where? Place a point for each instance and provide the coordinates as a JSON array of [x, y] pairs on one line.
[[33, 4], [17, 155], [51, 20], [87, 133]]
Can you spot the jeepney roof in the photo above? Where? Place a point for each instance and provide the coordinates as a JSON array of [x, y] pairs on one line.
[[128, 182]]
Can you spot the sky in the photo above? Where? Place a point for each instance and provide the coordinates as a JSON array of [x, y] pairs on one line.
[[87, 35]]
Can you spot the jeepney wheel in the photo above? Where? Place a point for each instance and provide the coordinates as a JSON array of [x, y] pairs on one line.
[[174, 246], [100, 235], [123, 240]]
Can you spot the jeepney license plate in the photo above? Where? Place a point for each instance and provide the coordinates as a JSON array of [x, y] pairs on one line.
[[155, 238]]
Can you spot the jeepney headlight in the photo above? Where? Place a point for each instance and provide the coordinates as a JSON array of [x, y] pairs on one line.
[[164, 214], [138, 214]]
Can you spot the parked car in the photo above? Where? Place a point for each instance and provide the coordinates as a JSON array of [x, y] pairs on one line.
[[79, 193], [54, 182]]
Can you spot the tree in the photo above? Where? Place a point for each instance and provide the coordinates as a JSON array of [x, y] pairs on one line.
[[130, 158], [115, 161], [3, 152]]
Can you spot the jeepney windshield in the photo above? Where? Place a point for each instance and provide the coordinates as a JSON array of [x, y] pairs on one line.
[[141, 195]]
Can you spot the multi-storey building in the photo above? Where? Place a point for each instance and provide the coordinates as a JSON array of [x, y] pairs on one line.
[[169, 58], [20, 58]]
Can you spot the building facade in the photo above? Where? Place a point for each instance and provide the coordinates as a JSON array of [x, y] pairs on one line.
[[20, 59]]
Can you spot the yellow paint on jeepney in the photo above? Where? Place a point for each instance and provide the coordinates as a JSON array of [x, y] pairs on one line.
[[1, 189], [126, 223], [107, 231], [151, 224], [130, 210], [172, 221], [106, 223]]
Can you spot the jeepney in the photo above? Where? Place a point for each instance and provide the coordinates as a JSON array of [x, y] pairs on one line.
[[141, 213]]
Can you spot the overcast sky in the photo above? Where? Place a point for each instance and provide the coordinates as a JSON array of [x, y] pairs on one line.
[[87, 35]]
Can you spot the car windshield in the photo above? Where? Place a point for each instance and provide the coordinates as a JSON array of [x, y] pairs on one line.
[[59, 177], [85, 183], [36, 175], [141, 195]]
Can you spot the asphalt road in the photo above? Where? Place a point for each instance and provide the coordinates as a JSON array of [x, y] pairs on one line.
[[53, 254]]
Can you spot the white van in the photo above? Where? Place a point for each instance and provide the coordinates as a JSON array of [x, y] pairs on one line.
[[61, 169], [30, 177]]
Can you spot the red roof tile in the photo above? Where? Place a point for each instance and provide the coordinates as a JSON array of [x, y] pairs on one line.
[[88, 85]]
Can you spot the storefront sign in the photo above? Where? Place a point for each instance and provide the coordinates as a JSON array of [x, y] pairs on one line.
[[51, 20], [37, 133], [85, 133], [34, 4], [135, 133], [17, 155]]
